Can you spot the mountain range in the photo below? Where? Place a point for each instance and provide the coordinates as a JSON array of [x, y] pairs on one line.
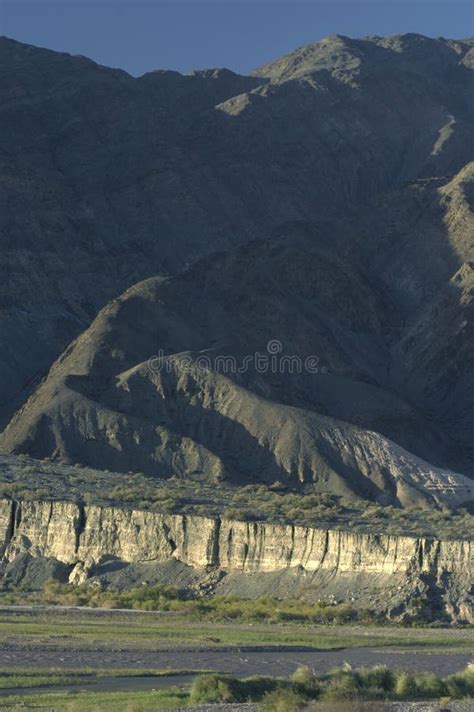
[[158, 232]]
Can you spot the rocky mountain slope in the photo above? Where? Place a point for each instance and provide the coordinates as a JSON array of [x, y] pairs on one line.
[[107, 179], [322, 208], [112, 402]]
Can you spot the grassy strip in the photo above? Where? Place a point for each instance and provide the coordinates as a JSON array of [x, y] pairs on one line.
[[90, 630], [169, 699], [54, 677], [9, 681]]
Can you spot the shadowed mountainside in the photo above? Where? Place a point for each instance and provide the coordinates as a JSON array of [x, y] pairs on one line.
[[108, 402], [325, 202], [107, 179]]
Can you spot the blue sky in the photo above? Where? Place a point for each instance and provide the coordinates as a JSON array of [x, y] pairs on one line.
[[142, 35]]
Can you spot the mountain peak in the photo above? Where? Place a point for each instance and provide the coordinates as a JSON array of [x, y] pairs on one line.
[[340, 54]]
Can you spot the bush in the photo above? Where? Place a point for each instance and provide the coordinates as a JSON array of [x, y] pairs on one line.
[[461, 684], [333, 690], [379, 677], [282, 700], [306, 681], [429, 685], [215, 688], [256, 687], [423, 685], [342, 685], [405, 686], [243, 515], [338, 613]]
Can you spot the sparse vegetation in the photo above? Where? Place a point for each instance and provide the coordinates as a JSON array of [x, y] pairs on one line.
[[93, 630], [304, 691], [216, 688], [55, 677], [282, 700], [98, 629], [24, 478], [161, 597], [166, 699], [10, 680], [339, 685]]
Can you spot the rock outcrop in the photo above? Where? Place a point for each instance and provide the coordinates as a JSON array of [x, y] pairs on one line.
[[392, 568]]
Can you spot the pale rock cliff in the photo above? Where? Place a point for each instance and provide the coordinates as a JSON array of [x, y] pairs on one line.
[[84, 537]]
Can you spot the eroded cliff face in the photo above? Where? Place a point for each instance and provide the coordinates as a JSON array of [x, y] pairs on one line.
[[84, 537]]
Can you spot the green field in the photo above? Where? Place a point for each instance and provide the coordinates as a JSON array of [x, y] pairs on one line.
[[55, 677], [97, 702]]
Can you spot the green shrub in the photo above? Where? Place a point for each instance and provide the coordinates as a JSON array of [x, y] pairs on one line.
[[405, 686], [306, 681], [334, 690], [215, 688], [342, 685], [428, 685], [338, 613], [424, 685], [461, 684], [379, 677], [282, 700], [244, 515], [256, 687]]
